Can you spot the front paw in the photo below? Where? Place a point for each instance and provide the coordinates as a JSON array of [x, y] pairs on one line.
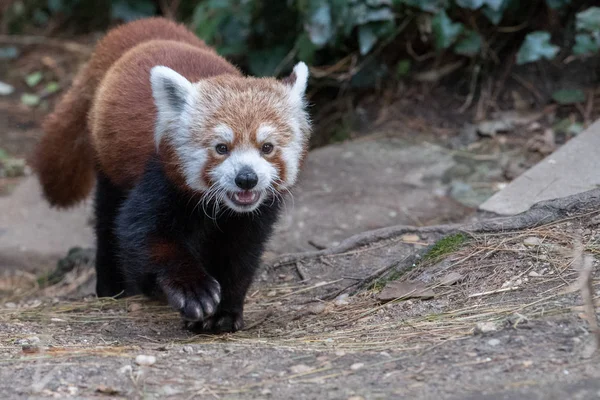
[[221, 322], [195, 300]]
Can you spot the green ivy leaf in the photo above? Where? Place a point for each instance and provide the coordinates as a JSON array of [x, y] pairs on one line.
[[470, 45], [495, 13], [366, 38], [30, 100], [535, 47], [52, 87], [568, 96], [33, 79], [556, 4], [589, 20], [445, 31], [585, 44]]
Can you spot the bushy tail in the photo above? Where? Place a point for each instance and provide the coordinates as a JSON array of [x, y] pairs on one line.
[[63, 159]]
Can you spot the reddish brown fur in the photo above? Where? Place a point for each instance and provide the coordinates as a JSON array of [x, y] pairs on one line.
[[123, 114], [63, 159]]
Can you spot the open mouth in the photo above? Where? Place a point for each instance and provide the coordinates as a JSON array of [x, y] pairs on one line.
[[244, 198]]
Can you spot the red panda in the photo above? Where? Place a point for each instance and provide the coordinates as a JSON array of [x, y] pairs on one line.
[[191, 161]]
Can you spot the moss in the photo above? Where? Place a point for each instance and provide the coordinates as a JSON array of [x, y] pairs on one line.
[[445, 246], [442, 248]]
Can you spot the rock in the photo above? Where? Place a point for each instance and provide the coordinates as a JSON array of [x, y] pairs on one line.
[[145, 360], [405, 290], [451, 279], [485, 327], [356, 366], [371, 176], [532, 241], [493, 342], [126, 369], [490, 128], [315, 308], [533, 274], [188, 349]]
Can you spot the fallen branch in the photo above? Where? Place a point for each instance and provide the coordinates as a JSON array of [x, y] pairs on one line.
[[541, 213]]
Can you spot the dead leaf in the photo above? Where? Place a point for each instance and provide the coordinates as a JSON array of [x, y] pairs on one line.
[[405, 290], [410, 238]]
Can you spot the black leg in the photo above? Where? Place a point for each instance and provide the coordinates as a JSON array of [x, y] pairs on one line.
[[110, 280]]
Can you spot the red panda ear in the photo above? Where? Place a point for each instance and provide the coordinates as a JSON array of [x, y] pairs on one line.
[[297, 81], [171, 92]]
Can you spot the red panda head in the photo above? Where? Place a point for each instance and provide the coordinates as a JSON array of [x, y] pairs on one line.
[[237, 140]]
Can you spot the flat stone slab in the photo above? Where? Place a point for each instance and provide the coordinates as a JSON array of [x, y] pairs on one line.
[[572, 169], [345, 189], [356, 186], [33, 235]]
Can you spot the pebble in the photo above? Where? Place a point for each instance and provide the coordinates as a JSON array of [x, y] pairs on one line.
[[494, 342], [145, 360], [534, 274], [357, 366], [484, 327], [315, 308], [126, 369]]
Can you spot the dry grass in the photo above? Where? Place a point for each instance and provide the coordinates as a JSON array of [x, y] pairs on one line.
[[505, 282]]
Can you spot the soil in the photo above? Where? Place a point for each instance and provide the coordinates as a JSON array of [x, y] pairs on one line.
[[473, 339], [478, 338]]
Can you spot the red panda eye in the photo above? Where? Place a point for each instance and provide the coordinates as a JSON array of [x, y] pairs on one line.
[[267, 148], [222, 148]]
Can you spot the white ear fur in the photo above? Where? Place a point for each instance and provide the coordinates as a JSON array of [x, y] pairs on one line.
[[171, 92], [299, 86]]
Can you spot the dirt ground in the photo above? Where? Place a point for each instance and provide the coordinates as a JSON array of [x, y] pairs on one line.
[[509, 324]]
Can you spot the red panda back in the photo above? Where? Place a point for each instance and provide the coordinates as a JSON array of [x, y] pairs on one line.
[[123, 115], [63, 159]]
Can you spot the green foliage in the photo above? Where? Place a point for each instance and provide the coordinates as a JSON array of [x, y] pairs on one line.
[[268, 37], [568, 96], [536, 47]]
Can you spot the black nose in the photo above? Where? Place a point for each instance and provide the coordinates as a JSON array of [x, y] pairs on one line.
[[246, 179]]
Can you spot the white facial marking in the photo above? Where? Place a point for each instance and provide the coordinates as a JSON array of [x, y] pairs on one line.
[[224, 175], [264, 132], [224, 133]]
